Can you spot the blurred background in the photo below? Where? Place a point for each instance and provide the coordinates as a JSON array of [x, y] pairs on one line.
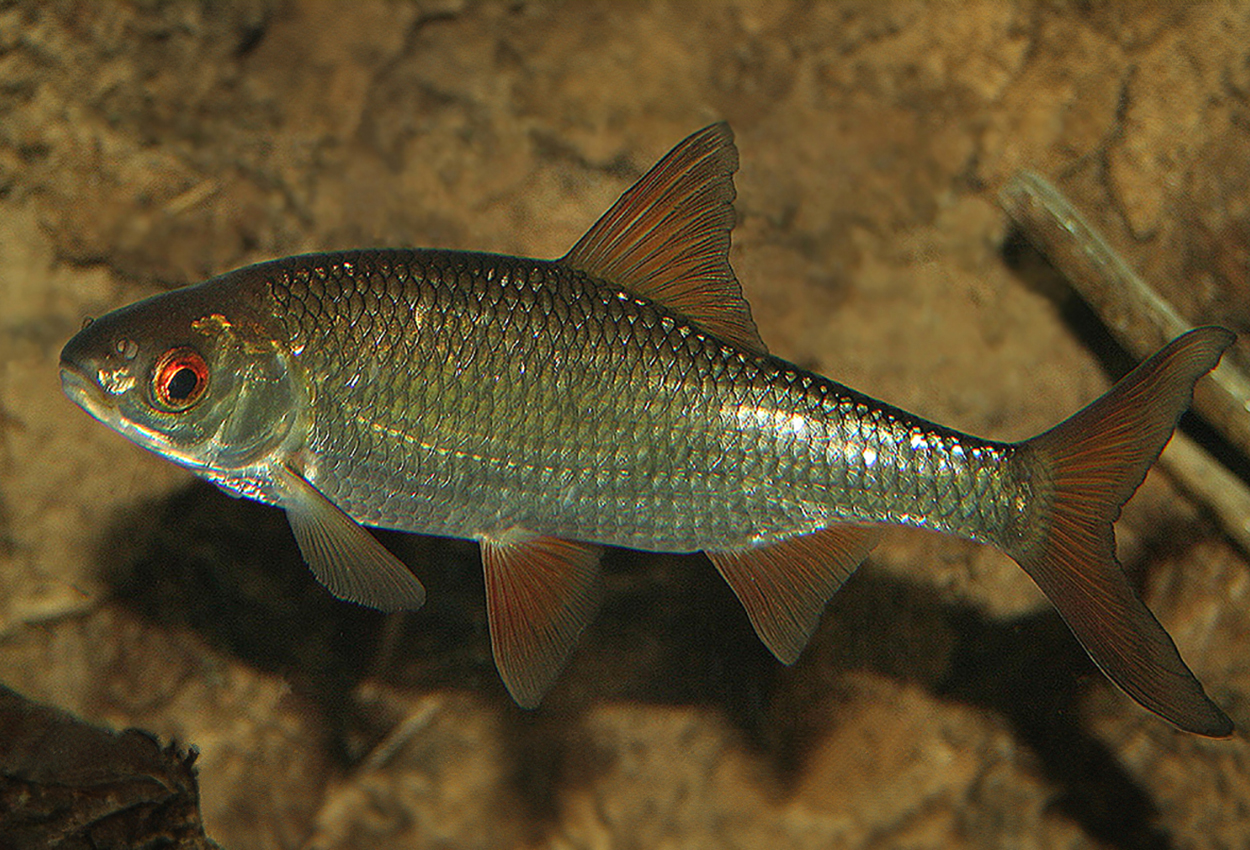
[[942, 703]]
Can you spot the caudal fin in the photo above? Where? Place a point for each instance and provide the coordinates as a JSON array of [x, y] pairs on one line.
[[1088, 468]]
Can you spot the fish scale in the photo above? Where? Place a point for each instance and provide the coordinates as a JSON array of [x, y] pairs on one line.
[[620, 395], [496, 411]]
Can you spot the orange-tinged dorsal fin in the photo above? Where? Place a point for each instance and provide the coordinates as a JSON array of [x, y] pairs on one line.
[[784, 586], [667, 238], [541, 592]]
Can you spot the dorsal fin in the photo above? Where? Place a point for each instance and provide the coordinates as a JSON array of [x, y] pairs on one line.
[[667, 238]]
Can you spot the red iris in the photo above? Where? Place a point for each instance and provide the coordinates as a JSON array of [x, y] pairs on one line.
[[180, 379]]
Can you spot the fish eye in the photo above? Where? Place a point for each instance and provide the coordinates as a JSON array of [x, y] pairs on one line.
[[180, 379]]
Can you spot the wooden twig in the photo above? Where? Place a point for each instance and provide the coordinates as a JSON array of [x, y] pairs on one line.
[[1142, 321]]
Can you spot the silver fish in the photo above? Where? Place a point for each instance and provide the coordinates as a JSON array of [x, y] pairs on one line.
[[619, 396]]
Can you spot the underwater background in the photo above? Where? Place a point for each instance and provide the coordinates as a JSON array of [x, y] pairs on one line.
[[942, 703]]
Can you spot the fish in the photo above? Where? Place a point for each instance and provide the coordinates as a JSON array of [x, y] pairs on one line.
[[617, 396]]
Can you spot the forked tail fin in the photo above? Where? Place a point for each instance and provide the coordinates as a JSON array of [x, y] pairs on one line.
[[1088, 466]]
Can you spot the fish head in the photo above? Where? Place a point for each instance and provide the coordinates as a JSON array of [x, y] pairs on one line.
[[188, 376]]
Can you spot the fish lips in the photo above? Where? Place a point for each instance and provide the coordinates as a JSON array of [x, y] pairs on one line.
[[87, 394], [91, 395]]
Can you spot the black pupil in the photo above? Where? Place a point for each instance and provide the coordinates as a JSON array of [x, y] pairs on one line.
[[182, 384]]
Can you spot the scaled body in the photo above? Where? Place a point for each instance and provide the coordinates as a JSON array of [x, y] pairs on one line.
[[466, 394], [617, 396]]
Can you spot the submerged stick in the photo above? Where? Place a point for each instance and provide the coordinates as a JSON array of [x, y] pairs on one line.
[[1206, 480], [1139, 318], [1142, 321]]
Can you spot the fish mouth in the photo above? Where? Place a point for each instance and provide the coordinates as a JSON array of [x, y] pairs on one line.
[[87, 394]]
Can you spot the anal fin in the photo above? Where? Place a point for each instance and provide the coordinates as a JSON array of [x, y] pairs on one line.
[[344, 557], [541, 593], [784, 586]]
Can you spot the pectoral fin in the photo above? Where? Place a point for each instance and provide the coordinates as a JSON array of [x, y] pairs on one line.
[[785, 586], [541, 592], [344, 557]]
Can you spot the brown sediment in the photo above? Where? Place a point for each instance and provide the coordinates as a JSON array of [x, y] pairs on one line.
[[940, 703]]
